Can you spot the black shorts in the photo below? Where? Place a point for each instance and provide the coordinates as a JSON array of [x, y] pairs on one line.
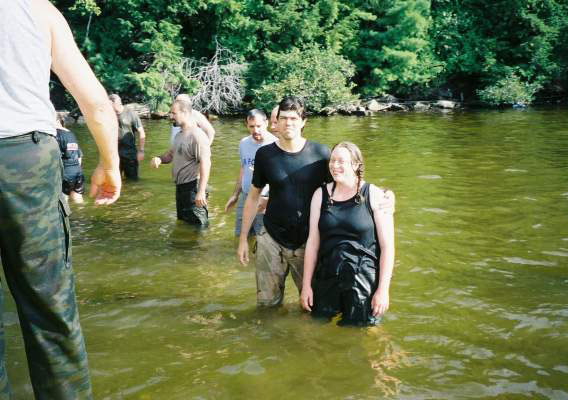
[[73, 181], [130, 167], [185, 205]]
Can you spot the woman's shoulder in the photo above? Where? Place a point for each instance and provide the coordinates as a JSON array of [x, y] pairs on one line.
[[382, 199]]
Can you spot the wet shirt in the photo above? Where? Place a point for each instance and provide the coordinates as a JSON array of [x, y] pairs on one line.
[[189, 148], [128, 123], [346, 222], [293, 178], [70, 151], [247, 151]]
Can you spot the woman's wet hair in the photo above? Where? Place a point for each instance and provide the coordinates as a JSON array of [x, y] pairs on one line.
[[356, 158]]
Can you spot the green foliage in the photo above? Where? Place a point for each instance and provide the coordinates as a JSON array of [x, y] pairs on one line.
[[318, 76], [392, 52], [509, 90], [482, 40], [161, 53], [86, 7], [402, 47]]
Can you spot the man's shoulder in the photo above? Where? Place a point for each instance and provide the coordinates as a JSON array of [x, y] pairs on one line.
[[267, 150], [316, 146], [200, 136], [246, 140], [269, 138]]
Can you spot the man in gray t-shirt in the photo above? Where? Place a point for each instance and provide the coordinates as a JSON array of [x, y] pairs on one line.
[[190, 156], [256, 123], [129, 125]]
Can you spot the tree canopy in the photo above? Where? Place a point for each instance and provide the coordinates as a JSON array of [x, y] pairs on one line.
[[327, 50]]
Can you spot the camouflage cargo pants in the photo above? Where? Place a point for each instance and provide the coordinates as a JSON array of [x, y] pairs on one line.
[[273, 264], [35, 245]]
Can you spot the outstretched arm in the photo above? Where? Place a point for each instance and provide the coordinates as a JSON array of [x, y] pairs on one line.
[[311, 254], [382, 204], [249, 212], [72, 69], [165, 158]]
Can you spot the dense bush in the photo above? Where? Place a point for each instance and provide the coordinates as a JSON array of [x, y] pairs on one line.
[[319, 76], [509, 90]]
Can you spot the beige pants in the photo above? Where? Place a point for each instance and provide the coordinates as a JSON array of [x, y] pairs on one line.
[[273, 263]]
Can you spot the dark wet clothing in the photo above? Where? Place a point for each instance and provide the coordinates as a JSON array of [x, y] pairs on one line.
[[35, 248], [185, 204], [129, 167], [73, 178], [293, 179], [128, 123], [346, 275]]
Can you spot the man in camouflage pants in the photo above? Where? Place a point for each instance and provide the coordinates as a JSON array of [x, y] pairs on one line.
[[35, 242]]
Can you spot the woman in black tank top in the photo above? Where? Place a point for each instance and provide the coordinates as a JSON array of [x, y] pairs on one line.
[[350, 249]]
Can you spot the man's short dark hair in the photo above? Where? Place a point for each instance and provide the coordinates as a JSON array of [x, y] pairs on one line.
[[113, 97], [292, 103], [255, 112]]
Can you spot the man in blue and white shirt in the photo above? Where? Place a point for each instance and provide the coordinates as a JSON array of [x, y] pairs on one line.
[[257, 124]]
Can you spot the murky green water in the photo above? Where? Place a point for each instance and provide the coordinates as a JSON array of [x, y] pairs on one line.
[[479, 301]]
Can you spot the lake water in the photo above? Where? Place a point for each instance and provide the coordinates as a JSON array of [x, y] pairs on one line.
[[479, 297]]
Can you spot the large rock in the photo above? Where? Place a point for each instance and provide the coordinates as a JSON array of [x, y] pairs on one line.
[[420, 106], [159, 115], [348, 109], [398, 107], [327, 111], [446, 104], [389, 98], [375, 106]]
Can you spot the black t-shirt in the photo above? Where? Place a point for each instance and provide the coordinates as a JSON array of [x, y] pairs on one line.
[[293, 178], [70, 151]]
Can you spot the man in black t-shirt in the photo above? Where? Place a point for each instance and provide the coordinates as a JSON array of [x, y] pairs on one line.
[[128, 123], [294, 168]]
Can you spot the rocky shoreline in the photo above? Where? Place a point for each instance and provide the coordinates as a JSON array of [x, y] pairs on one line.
[[361, 108]]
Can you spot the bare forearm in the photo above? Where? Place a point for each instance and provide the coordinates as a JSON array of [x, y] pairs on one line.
[[204, 170], [142, 139], [386, 266], [103, 125], [238, 183], [167, 157], [237, 190], [310, 260], [249, 212]]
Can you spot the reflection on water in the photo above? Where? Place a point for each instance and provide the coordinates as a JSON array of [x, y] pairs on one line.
[[478, 300]]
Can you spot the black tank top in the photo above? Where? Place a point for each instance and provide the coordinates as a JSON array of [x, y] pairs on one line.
[[347, 227]]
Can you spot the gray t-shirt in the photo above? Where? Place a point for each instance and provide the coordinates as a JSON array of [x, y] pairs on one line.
[[189, 148], [128, 123], [247, 151]]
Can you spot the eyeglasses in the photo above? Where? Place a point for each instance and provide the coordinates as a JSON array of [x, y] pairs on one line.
[[339, 162]]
